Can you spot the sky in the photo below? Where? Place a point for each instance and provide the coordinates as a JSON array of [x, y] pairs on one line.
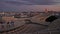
[[29, 5]]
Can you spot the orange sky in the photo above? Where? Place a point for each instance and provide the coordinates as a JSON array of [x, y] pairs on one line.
[[39, 7], [49, 7]]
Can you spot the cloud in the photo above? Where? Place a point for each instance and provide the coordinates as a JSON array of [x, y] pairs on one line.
[[44, 2], [28, 5], [32, 2], [16, 2]]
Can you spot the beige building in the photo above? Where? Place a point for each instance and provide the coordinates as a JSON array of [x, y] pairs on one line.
[[8, 18]]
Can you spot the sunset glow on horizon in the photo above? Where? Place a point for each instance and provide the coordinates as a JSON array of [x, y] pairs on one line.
[[29, 5]]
